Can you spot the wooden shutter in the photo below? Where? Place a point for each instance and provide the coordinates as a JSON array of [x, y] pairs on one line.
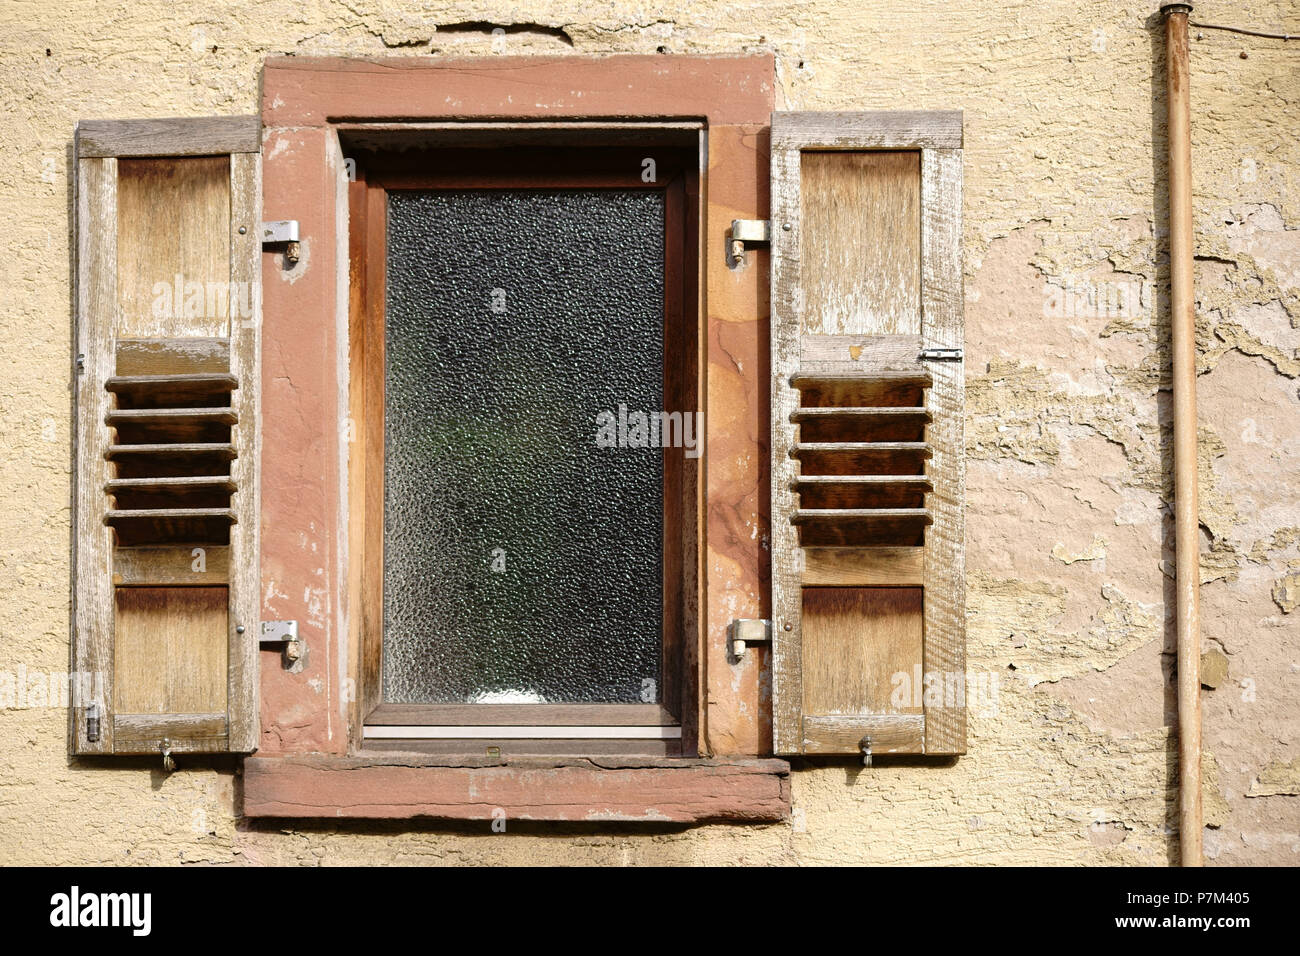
[[868, 513], [165, 596]]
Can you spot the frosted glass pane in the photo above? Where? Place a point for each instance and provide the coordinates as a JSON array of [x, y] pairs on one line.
[[522, 562]]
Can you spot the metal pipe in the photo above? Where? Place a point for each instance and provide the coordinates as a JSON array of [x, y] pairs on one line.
[[1187, 534]]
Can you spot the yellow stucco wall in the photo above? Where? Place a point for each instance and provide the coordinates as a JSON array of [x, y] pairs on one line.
[[1068, 462]]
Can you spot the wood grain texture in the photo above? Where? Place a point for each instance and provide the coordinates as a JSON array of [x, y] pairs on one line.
[[868, 129], [178, 733], [901, 197], [689, 692], [848, 372], [92, 638], [680, 365], [224, 451], [243, 678], [182, 136], [160, 380], [832, 385], [683, 363], [850, 528], [855, 640], [861, 242], [359, 616], [818, 492], [943, 326], [512, 748], [190, 389], [523, 715], [862, 458], [161, 566], [888, 733], [870, 353], [171, 461], [173, 247], [862, 424], [152, 526], [137, 357], [167, 419], [368, 211], [864, 567], [787, 558], [180, 425], [170, 651], [597, 789]]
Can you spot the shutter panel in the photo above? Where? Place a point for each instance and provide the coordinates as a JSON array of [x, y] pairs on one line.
[[867, 510], [166, 585]]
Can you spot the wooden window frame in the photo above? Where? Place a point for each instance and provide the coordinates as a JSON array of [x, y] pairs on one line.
[[488, 156]]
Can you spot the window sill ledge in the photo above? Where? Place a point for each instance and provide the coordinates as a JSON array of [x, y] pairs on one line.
[[579, 789]]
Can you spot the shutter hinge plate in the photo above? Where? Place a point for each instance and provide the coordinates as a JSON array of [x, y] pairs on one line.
[[92, 722], [942, 355], [285, 633], [751, 230], [743, 632], [283, 232], [746, 232]]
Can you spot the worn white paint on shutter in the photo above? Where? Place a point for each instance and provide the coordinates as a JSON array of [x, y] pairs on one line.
[[867, 506], [166, 584]]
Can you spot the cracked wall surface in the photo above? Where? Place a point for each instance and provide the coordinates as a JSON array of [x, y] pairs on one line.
[[1072, 759]]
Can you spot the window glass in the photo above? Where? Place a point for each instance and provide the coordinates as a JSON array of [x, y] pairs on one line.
[[523, 562]]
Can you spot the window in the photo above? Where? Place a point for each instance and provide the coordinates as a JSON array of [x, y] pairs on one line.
[[511, 547], [527, 434]]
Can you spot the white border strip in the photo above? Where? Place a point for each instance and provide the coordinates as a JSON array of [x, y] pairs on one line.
[[424, 732]]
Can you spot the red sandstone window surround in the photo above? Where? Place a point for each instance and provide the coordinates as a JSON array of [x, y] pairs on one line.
[[315, 757]]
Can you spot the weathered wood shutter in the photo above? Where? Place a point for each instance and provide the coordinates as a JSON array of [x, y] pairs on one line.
[[868, 513], [164, 649]]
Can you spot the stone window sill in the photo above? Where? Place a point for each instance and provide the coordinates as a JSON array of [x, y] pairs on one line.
[[587, 789]]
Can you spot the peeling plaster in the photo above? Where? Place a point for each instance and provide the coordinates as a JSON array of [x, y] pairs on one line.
[[1067, 430]]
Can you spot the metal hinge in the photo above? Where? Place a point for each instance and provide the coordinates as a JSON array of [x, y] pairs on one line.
[[942, 355], [165, 747], [92, 721], [282, 632], [743, 632], [745, 232], [282, 232]]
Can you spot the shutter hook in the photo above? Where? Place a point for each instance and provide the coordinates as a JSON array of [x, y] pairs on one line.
[[865, 745], [169, 765]]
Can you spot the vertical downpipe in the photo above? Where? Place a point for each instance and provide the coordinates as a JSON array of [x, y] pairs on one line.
[[1187, 535]]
